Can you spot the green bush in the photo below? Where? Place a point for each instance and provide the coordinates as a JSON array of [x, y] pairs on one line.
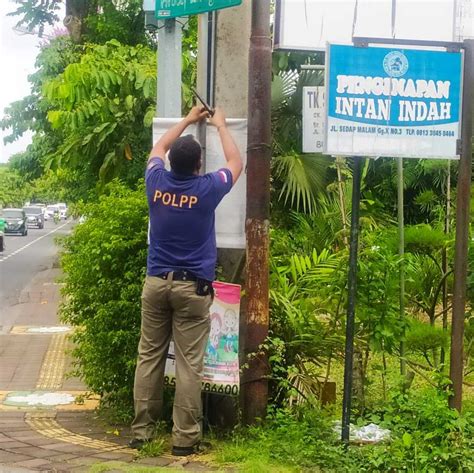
[[104, 261], [426, 436], [422, 338]]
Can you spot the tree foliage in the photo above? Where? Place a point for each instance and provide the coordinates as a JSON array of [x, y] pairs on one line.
[[91, 104], [102, 106], [14, 191], [86, 20], [30, 113]]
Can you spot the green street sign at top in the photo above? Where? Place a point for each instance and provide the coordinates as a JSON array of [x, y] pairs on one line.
[[173, 8]]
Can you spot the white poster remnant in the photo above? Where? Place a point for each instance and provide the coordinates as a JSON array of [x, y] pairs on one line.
[[230, 214], [310, 24]]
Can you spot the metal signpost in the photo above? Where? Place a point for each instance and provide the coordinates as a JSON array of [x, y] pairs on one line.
[[463, 199], [401, 102], [173, 8]]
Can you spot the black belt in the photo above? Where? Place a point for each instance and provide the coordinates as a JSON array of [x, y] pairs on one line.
[[179, 276]]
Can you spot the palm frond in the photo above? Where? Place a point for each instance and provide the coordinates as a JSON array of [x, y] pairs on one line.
[[283, 86], [303, 178]]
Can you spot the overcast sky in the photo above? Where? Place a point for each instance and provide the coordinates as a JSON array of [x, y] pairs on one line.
[[17, 54]]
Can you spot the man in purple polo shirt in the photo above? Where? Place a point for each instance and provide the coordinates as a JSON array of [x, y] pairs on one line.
[[178, 291]]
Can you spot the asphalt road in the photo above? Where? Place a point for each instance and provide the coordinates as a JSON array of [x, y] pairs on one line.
[[25, 256]]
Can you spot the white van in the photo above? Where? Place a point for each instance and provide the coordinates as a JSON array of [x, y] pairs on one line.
[[62, 210], [49, 211]]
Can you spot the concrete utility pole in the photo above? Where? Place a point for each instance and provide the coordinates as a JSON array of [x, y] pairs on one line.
[[255, 389], [168, 99], [231, 60], [222, 80], [231, 92]]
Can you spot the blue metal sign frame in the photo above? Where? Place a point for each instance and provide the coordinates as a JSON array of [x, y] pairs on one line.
[[393, 102]]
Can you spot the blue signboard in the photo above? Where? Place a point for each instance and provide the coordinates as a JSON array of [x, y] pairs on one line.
[[393, 102]]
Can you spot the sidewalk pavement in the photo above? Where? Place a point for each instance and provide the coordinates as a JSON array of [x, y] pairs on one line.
[[42, 428]]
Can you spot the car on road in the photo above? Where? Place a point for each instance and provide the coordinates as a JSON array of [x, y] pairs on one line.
[[62, 210], [34, 216], [15, 221], [49, 211]]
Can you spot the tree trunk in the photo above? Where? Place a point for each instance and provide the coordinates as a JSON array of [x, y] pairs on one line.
[[447, 229], [358, 382], [76, 12]]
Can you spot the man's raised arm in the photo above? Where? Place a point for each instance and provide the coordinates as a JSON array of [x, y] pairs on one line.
[[164, 143], [231, 152]]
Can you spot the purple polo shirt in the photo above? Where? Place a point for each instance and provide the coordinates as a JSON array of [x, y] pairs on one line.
[[182, 222]]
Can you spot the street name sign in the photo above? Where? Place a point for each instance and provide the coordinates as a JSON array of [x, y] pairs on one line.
[[313, 119], [166, 9], [393, 102]]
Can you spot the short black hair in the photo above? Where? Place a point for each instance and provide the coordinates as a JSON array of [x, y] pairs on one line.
[[185, 155]]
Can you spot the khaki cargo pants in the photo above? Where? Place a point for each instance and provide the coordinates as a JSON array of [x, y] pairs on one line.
[[171, 308]]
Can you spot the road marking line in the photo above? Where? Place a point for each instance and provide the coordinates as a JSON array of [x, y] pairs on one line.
[[47, 426], [34, 241]]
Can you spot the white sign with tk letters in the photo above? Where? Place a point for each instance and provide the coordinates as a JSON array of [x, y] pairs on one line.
[[314, 103]]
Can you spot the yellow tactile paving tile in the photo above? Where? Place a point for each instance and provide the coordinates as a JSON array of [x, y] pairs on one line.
[[52, 369], [42, 419], [48, 427]]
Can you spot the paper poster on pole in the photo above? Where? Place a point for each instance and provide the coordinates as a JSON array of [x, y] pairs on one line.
[[314, 114], [230, 214], [221, 362], [393, 102]]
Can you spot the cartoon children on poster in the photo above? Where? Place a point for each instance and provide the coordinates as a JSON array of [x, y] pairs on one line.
[[223, 337], [221, 362]]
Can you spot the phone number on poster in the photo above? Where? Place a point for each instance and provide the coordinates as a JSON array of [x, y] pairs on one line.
[[228, 389]]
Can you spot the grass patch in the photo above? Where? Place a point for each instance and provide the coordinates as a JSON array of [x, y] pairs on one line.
[[288, 442], [155, 448]]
